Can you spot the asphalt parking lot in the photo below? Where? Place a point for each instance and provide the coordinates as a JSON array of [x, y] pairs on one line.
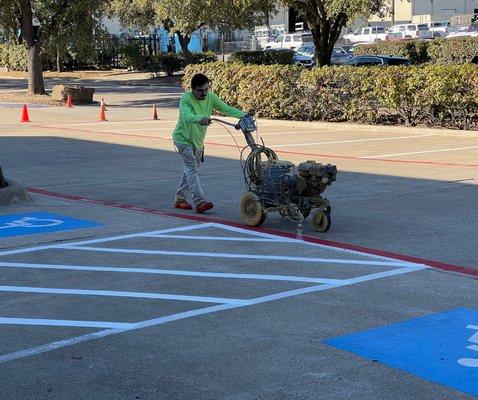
[[108, 292]]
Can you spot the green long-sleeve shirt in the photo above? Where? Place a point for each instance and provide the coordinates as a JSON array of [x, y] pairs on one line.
[[191, 110]]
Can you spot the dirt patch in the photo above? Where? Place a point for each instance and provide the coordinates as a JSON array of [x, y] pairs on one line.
[[17, 97]]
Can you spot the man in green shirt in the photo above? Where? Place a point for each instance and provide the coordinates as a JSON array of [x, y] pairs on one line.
[[195, 110]]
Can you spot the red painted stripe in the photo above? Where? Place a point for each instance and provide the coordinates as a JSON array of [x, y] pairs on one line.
[[203, 218], [387, 160]]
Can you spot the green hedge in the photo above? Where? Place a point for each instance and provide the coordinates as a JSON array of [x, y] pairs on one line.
[[449, 51], [263, 57], [442, 95], [437, 51], [13, 57], [415, 50]]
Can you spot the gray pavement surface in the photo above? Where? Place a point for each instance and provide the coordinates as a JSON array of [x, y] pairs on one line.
[[148, 306]]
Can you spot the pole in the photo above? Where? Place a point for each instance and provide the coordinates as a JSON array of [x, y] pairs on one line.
[[393, 12]]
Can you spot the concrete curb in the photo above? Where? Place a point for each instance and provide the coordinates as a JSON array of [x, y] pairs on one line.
[[14, 194]]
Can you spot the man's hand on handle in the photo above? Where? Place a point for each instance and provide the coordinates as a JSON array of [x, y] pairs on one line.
[[205, 121]]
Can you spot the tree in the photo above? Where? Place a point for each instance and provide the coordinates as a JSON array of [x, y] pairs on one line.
[[326, 18], [184, 17], [37, 22], [3, 182]]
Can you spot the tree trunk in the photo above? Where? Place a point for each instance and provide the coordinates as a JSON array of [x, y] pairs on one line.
[[184, 41], [35, 72], [32, 40], [59, 63], [325, 34], [3, 182]]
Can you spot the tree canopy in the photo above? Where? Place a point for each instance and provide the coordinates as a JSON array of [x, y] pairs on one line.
[[39, 23], [184, 17], [326, 18]]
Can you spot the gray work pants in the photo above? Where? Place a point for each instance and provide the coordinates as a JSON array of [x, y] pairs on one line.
[[191, 159]]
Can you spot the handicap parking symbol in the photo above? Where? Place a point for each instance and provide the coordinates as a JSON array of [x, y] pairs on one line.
[[439, 347], [39, 222]]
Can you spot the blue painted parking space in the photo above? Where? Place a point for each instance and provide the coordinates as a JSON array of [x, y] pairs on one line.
[[440, 347], [40, 222]]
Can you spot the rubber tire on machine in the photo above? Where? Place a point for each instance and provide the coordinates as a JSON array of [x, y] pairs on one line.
[[322, 221], [251, 210]]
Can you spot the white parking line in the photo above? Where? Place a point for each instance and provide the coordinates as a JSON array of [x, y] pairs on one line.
[[183, 315], [224, 303], [236, 255], [422, 152], [109, 293], [285, 278], [219, 238], [63, 322], [350, 141]]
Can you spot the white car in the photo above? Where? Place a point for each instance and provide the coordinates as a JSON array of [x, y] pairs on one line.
[[439, 28], [465, 31], [369, 35], [412, 31], [289, 41]]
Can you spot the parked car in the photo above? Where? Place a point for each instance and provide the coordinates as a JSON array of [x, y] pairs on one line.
[[412, 31], [299, 58], [348, 48], [368, 34], [289, 41], [464, 31], [265, 35], [439, 28], [339, 55], [370, 60]]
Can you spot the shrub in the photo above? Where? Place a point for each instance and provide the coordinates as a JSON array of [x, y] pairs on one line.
[[263, 57], [414, 50], [132, 56], [449, 51], [168, 63], [202, 58], [435, 95], [13, 57]]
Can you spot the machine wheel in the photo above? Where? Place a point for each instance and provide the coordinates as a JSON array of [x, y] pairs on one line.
[[322, 221], [252, 212]]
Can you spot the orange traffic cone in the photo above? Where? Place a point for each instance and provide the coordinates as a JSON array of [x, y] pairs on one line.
[[69, 101], [155, 112], [25, 117], [102, 112]]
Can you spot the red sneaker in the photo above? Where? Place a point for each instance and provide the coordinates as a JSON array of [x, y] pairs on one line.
[[183, 205], [204, 206]]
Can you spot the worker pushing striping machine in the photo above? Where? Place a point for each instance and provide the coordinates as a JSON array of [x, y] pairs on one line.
[[273, 186]]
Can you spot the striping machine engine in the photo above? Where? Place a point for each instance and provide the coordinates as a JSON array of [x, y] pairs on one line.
[[273, 185]]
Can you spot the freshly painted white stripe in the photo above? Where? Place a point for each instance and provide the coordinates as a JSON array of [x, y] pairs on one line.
[[251, 232], [349, 141], [422, 152], [285, 278], [108, 293], [101, 334], [310, 244], [57, 345], [105, 239], [163, 320], [385, 274], [136, 235], [61, 322], [220, 238], [239, 256]]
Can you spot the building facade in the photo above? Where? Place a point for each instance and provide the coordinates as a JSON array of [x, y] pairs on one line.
[[427, 10]]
